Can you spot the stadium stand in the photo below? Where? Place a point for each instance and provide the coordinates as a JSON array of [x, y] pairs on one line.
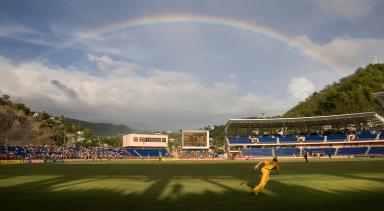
[[144, 152], [320, 135], [365, 136], [267, 140], [287, 152], [329, 150], [336, 137], [376, 151], [381, 137], [258, 152], [288, 139], [314, 138], [239, 140], [352, 150]]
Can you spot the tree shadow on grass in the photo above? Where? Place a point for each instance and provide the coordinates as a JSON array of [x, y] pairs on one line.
[[41, 195]]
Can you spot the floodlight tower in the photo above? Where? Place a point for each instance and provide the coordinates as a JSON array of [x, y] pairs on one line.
[[375, 60]]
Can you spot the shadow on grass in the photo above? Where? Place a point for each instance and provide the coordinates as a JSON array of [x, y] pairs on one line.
[[41, 194]]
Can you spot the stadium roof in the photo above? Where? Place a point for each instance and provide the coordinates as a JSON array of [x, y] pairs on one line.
[[366, 117], [380, 97]]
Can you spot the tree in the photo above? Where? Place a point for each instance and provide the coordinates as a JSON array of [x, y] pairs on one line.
[[44, 115], [351, 94], [22, 107], [5, 100]]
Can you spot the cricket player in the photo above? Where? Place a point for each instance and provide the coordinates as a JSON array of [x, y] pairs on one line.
[[265, 171]]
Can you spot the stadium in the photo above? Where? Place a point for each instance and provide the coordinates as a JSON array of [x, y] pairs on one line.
[[191, 105], [320, 136], [345, 165]]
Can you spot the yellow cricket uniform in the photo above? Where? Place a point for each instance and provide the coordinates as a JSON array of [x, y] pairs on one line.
[[268, 166]]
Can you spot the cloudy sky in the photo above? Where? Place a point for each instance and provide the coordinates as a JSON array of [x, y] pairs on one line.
[[171, 64]]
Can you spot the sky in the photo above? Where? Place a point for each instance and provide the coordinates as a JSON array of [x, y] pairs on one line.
[[181, 64]]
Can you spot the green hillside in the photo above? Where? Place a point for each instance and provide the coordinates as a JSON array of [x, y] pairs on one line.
[[103, 129], [21, 126], [350, 95]]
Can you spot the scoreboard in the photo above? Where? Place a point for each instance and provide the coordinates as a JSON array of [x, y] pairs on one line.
[[195, 139]]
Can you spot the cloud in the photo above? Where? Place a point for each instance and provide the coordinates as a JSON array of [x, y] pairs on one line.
[[232, 77], [26, 34], [355, 52], [348, 53], [69, 92], [10, 30], [349, 9], [113, 67], [300, 88], [159, 100]]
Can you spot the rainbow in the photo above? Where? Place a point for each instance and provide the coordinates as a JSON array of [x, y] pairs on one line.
[[305, 47]]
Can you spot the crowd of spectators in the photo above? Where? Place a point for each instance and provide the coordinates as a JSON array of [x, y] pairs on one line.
[[51, 152], [179, 153], [48, 152]]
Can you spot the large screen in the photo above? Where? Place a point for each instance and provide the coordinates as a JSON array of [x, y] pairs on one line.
[[195, 139]]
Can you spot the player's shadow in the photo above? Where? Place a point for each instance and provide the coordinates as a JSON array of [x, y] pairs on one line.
[[177, 189], [251, 184]]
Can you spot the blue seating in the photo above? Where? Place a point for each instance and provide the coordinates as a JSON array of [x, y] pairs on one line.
[[239, 140], [267, 140], [314, 138], [287, 151], [376, 150], [164, 152], [288, 139], [381, 137], [327, 151], [365, 136], [258, 152], [336, 137], [352, 150], [144, 152]]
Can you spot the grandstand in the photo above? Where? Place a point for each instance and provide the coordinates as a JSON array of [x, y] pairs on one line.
[[146, 145], [356, 134]]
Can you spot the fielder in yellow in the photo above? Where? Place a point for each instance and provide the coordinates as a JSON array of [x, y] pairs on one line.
[[265, 171]]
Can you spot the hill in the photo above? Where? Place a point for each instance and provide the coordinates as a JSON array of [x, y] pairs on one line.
[[21, 126], [350, 95], [103, 129], [18, 127]]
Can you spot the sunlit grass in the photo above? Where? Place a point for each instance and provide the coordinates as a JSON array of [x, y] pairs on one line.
[[150, 185], [20, 180], [335, 184]]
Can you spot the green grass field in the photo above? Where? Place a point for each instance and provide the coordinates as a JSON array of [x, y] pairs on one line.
[[175, 185]]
